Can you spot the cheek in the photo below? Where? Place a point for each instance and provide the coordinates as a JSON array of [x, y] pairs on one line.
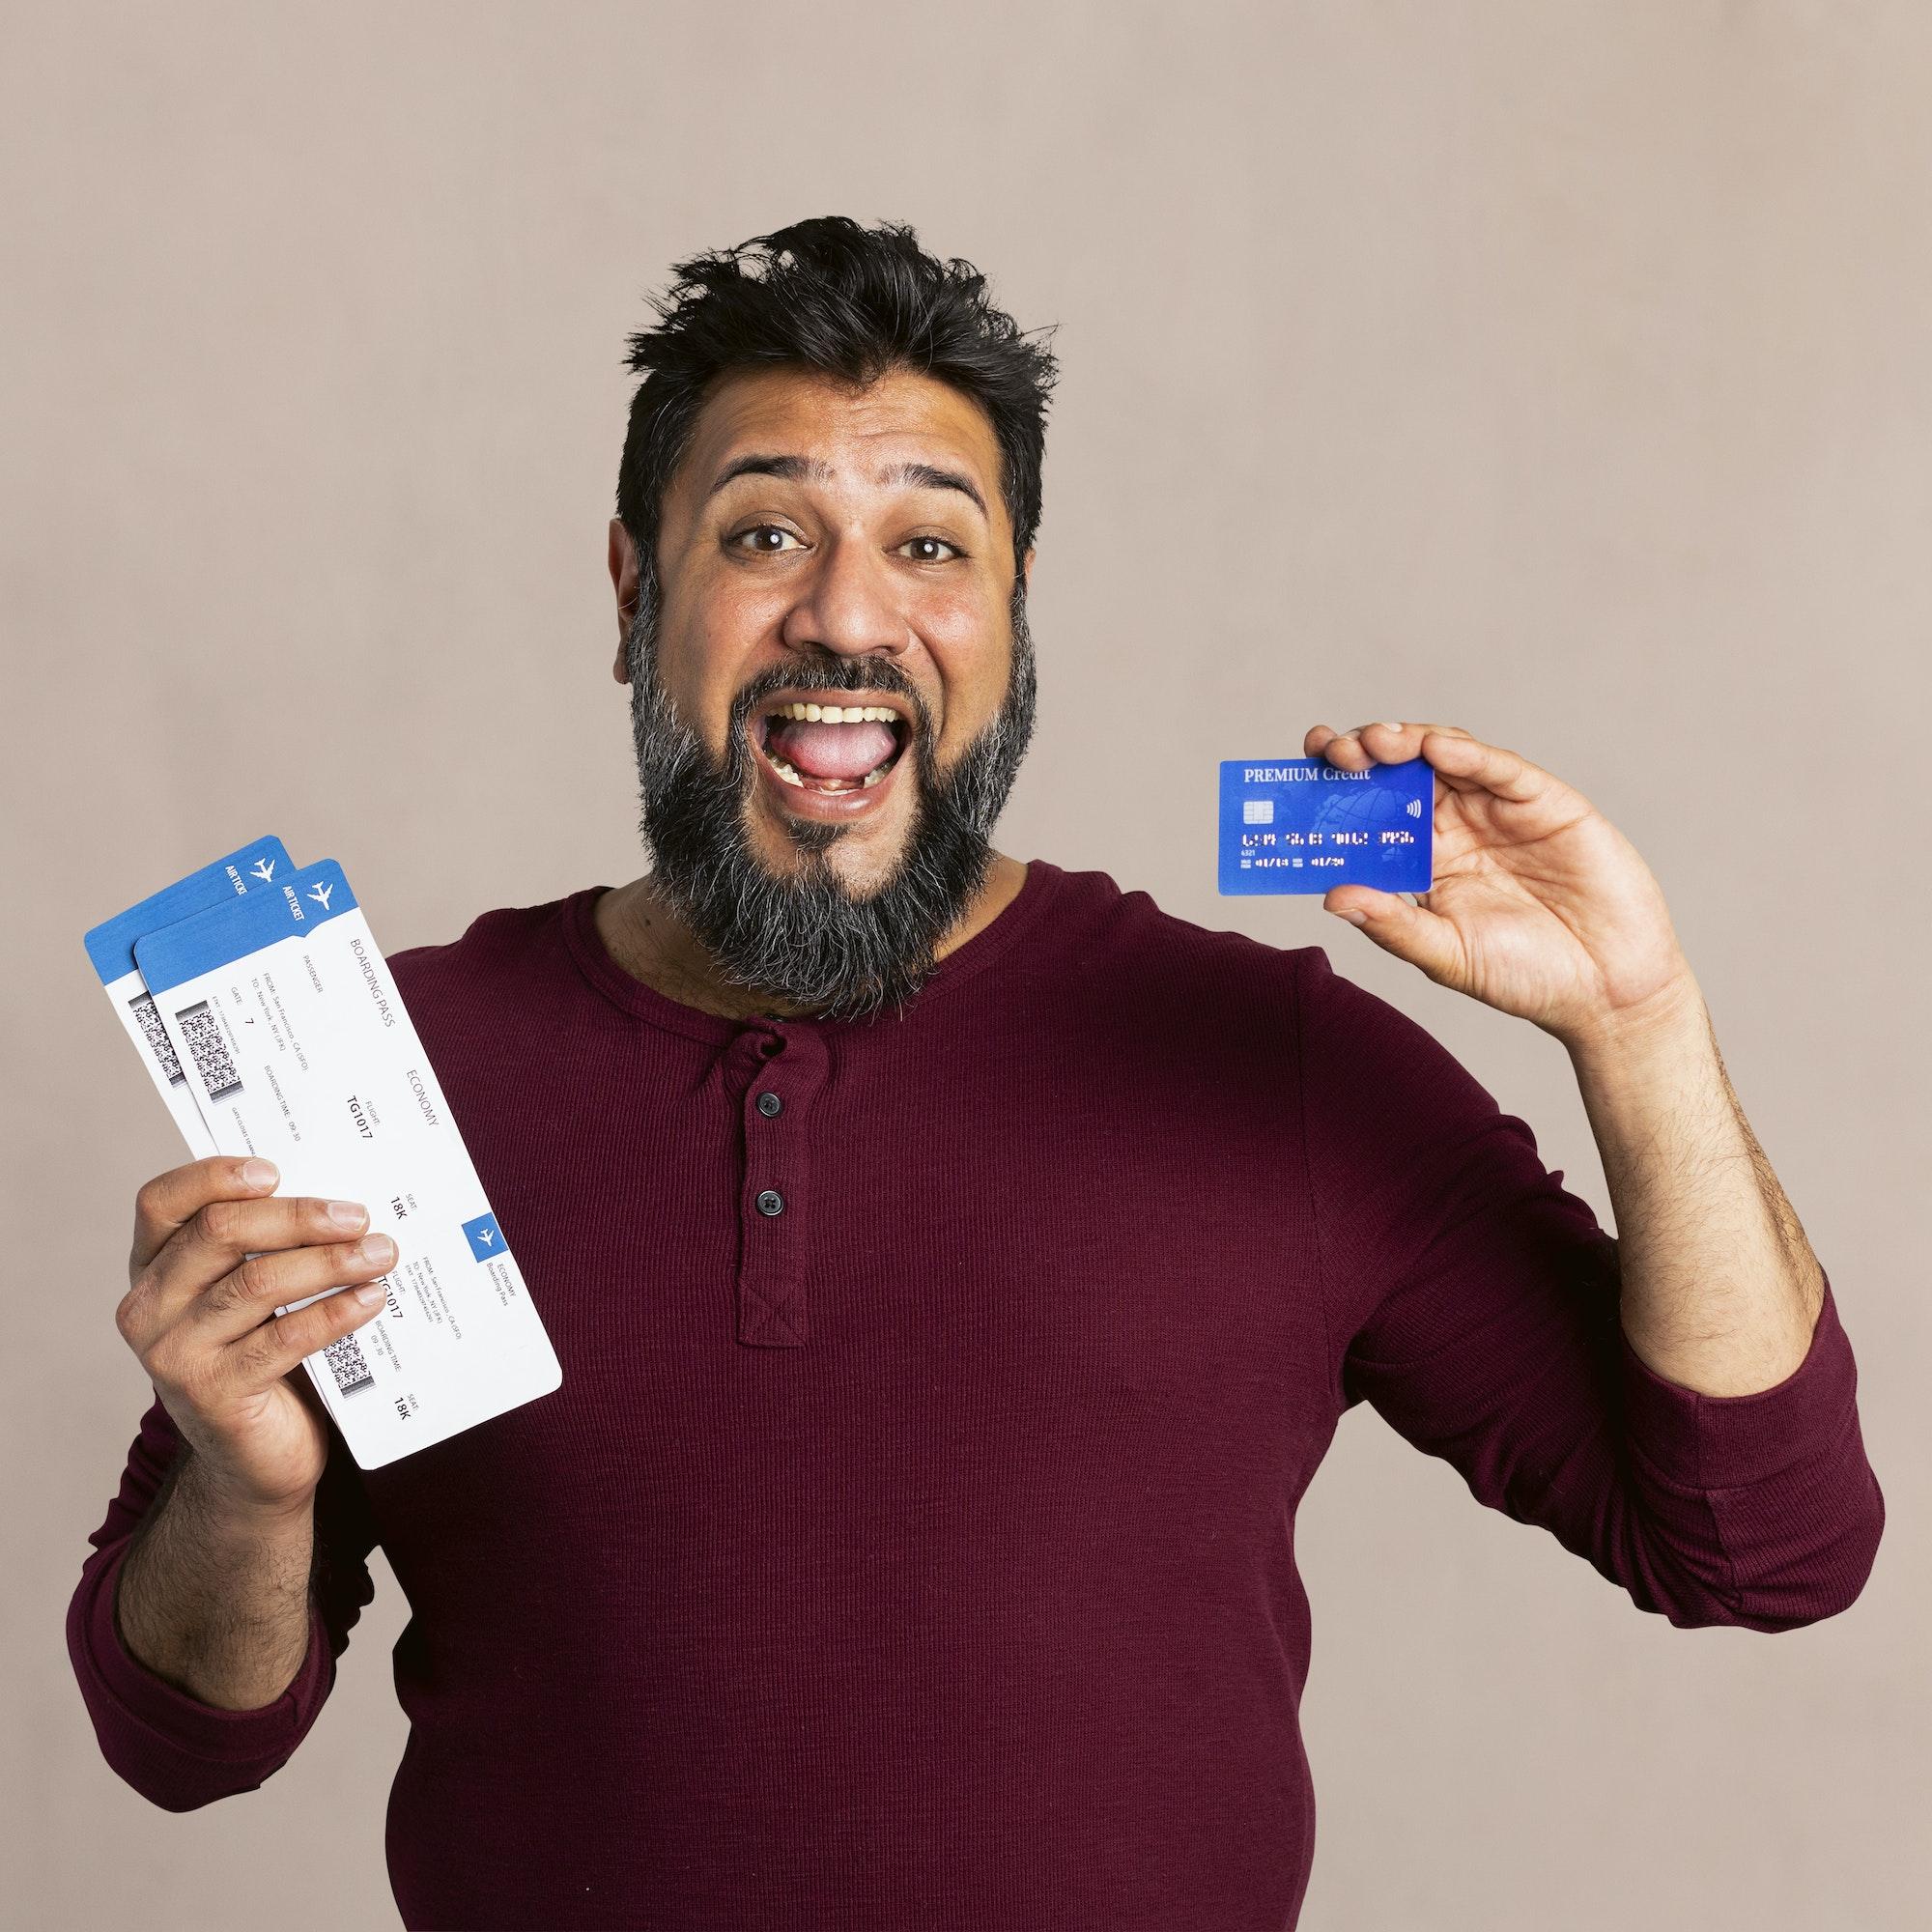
[[703, 668], [973, 659]]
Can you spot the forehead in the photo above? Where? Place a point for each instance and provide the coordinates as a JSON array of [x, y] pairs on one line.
[[902, 416]]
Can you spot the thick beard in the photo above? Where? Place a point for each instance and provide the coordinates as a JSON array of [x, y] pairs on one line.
[[804, 940]]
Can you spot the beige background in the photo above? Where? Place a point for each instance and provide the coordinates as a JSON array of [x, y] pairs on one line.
[[1559, 371]]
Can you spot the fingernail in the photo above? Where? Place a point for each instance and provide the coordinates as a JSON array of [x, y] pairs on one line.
[[379, 1249], [260, 1173], [348, 1214], [1387, 726], [1350, 913], [371, 1293]]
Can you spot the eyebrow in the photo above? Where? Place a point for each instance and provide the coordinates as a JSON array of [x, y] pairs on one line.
[[814, 469]]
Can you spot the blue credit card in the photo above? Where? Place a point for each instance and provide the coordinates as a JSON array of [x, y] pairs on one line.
[[1302, 825]]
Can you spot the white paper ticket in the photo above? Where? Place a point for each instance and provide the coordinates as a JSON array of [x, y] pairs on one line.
[[291, 1037]]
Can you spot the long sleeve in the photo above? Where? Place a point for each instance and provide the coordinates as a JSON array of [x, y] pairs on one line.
[[174, 1750], [1473, 1304]]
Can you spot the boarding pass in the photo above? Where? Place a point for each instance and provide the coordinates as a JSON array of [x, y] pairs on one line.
[[278, 1017]]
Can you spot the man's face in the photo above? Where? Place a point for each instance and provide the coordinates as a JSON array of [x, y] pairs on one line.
[[822, 544]]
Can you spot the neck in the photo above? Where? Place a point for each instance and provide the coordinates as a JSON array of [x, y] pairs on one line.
[[652, 944]]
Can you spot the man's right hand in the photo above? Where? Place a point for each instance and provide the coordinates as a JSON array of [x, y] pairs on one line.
[[215, 1253]]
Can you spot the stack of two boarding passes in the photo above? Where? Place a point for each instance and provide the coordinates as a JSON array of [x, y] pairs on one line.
[[268, 1020]]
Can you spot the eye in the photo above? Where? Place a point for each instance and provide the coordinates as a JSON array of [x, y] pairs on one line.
[[941, 542], [761, 530]]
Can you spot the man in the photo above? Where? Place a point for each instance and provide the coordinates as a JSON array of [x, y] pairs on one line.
[[958, 1267]]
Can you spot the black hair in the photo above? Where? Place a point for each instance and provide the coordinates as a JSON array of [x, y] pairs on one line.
[[851, 302]]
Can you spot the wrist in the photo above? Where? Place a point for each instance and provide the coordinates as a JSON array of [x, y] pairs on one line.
[[219, 1498], [1660, 1030]]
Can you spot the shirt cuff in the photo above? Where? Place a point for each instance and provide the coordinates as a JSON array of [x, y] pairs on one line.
[[179, 1720], [1730, 1442]]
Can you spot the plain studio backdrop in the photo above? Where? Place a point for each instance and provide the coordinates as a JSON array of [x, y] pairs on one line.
[[1558, 371]]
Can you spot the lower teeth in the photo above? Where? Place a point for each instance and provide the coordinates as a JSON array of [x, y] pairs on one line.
[[792, 777]]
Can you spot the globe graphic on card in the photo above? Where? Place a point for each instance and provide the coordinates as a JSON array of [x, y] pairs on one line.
[[1360, 808]]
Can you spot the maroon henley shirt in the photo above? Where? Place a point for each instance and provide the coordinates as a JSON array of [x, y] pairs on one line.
[[910, 1546]]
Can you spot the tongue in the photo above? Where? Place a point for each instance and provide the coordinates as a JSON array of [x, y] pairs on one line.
[[832, 751]]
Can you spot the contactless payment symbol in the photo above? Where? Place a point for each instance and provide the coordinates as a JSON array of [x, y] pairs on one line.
[[485, 1240]]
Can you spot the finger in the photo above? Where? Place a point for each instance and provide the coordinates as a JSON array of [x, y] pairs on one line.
[[168, 1202], [1411, 932], [1386, 742], [248, 1295], [1392, 742], [1340, 747], [1467, 764], [226, 1232], [274, 1350]]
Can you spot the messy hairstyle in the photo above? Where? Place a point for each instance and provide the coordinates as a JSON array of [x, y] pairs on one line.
[[857, 302]]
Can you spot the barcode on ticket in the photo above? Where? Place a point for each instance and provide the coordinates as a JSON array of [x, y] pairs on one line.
[[142, 1006], [348, 1366], [202, 1031]]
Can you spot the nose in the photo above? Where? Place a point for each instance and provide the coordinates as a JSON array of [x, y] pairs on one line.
[[848, 606]]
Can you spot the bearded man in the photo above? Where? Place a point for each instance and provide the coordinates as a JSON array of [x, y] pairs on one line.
[[958, 1267]]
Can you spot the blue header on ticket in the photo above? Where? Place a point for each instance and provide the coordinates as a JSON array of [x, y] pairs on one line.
[[293, 906], [1302, 825], [110, 945]]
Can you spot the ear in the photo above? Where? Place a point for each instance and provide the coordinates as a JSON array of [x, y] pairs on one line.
[[623, 560], [1026, 571]]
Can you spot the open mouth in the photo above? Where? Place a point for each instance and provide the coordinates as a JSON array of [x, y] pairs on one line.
[[832, 748]]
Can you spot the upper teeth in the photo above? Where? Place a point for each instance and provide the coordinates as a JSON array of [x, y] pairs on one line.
[[837, 714]]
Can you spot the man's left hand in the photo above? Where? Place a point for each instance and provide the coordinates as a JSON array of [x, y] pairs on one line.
[[1539, 906]]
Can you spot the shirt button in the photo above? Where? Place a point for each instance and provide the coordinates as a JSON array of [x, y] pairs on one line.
[[770, 1105], [771, 1202]]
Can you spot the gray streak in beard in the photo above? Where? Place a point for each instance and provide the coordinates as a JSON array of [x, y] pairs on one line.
[[804, 939]]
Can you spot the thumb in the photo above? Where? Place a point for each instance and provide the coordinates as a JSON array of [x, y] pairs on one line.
[[1425, 938]]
